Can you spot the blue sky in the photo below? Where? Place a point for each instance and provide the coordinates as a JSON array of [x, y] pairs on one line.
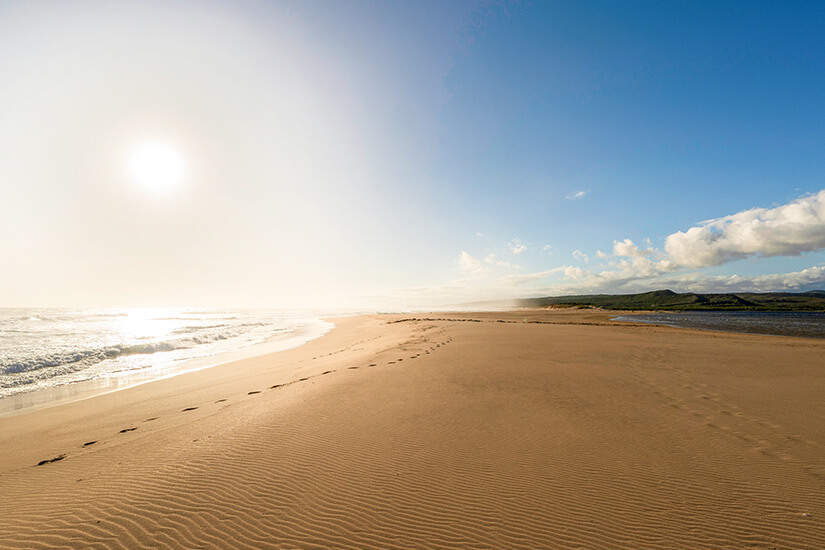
[[410, 154], [664, 115]]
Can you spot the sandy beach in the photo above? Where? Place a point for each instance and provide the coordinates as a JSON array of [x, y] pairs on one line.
[[524, 429]]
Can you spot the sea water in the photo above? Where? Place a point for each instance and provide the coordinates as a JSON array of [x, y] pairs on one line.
[[57, 353], [782, 323]]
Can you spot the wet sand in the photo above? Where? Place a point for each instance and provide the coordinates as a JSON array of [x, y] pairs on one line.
[[526, 429]]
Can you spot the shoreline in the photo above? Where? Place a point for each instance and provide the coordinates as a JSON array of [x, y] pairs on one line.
[[520, 429], [23, 402], [174, 393]]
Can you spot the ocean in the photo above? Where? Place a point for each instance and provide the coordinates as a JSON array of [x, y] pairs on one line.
[[57, 354], [781, 323]]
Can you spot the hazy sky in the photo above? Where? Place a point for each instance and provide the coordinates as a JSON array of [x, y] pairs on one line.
[[388, 153]]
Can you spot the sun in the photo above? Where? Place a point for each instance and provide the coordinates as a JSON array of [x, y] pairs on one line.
[[156, 166]]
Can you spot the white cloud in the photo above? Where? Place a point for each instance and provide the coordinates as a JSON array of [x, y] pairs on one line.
[[630, 275], [548, 249], [642, 275], [577, 195], [627, 248], [572, 272], [581, 256], [787, 230], [468, 264], [812, 276], [792, 281], [516, 246], [492, 258], [638, 267]]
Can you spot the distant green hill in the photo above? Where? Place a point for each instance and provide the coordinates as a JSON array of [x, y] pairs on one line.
[[669, 300]]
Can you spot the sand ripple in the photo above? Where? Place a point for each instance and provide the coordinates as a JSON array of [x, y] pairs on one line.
[[504, 435]]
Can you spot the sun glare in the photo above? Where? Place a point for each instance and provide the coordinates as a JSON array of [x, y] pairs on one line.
[[156, 166]]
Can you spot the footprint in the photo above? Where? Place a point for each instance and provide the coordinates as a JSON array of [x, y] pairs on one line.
[[49, 461], [253, 392], [90, 443], [187, 409], [124, 430], [220, 400], [765, 451], [352, 368], [808, 470], [304, 379], [373, 364], [275, 386], [150, 419]]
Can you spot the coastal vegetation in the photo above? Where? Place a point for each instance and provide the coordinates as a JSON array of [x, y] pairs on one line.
[[672, 301]]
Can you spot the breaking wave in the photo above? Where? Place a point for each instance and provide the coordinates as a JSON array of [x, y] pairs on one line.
[[48, 348]]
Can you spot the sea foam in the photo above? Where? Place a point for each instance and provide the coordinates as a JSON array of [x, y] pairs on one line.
[[44, 348]]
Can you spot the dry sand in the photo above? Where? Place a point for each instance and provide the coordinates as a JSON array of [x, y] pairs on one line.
[[405, 431]]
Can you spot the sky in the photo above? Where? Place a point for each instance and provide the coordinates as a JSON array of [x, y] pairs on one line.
[[407, 154]]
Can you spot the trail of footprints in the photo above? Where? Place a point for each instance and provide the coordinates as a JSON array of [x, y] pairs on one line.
[[427, 351], [353, 346]]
